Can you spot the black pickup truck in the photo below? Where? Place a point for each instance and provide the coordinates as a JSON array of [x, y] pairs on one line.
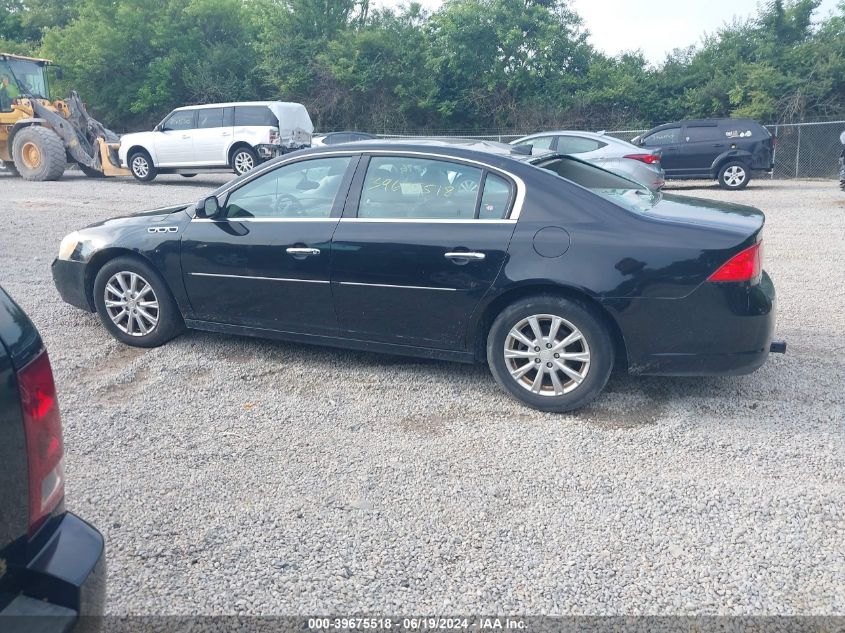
[[52, 563]]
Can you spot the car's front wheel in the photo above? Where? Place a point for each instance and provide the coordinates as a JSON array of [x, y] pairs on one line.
[[141, 166], [135, 304], [734, 175], [553, 354]]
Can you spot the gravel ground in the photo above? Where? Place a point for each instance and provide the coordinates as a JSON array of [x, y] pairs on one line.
[[232, 475]]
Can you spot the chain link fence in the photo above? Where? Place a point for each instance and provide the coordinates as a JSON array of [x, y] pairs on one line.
[[802, 150]]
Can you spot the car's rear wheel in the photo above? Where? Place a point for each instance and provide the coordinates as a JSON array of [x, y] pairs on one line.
[[135, 304], [141, 166], [734, 175], [244, 159], [553, 354]]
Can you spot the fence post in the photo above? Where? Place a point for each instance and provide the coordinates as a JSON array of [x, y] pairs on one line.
[[798, 151], [774, 154]]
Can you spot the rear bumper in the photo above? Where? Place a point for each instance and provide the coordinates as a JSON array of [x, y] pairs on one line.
[[719, 329], [65, 579], [69, 278]]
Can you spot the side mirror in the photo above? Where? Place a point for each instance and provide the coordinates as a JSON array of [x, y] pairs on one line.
[[637, 141], [60, 74], [208, 207]]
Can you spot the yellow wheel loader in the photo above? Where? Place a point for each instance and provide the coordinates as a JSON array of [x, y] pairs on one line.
[[39, 137]]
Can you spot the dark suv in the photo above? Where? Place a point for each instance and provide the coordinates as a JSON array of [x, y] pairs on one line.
[[728, 150], [52, 564]]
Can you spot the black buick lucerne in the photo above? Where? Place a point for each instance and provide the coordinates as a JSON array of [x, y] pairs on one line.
[[550, 269]]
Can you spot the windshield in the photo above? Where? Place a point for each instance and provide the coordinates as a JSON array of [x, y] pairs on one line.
[[20, 77], [627, 193]]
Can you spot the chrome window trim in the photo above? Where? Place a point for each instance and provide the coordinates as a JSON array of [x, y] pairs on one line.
[[320, 219], [304, 281], [515, 212], [357, 283], [427, 220]]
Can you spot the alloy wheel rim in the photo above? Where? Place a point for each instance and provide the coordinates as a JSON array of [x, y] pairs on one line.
[[547, 355], [734, 176], [243, 162], [131, 303], [140, 167]]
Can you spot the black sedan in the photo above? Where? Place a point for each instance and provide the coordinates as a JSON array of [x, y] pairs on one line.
[[550, 269]]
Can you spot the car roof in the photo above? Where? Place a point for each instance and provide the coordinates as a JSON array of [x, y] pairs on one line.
[[705, 123], [478, 145], [233, 103]]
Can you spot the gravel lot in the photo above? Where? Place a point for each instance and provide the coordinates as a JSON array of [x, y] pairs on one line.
[[232, 475]]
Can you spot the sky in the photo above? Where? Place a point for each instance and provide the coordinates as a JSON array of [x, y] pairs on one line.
[[654, 26]]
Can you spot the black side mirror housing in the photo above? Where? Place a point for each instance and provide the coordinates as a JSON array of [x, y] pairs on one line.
[[208, 207], [60, 74]]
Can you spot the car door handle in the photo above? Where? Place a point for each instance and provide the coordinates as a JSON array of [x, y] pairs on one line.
[[225, 134], [464, 255], [186, 136], [296, 250]]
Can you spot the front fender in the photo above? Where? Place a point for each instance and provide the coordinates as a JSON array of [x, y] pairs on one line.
[[731, 154]]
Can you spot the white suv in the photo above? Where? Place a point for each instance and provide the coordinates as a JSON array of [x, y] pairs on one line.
[[215, 137]]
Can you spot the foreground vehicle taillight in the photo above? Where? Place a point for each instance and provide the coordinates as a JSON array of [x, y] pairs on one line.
[[648, 159], [44, 447], [746, 265]]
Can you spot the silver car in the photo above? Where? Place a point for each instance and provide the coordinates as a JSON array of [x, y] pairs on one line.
[[613, 154]]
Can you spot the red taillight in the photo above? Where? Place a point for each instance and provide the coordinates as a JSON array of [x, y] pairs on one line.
[[43, 430], [743, 266], [649, 159]]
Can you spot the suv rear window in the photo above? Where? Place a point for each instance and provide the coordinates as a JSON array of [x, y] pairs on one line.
[[255, 115]]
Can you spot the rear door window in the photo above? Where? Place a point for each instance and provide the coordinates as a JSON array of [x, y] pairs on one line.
[[702, 133], [247, 116], [577, 144], [495, 200], [669, 136], [209, 118], [405, 187]]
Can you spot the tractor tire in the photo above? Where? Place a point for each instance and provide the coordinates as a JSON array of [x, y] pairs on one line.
[[39, 154], [10, 167]]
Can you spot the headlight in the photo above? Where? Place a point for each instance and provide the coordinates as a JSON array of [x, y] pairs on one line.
[[68, 245]]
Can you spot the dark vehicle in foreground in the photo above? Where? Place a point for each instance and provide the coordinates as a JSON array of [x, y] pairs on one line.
[[552, 275], [727, 150], [52, 564]]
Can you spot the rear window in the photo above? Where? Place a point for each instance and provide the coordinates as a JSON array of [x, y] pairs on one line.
[[626, 193], [255, 116]]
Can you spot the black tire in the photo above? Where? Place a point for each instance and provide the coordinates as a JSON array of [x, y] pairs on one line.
[[169, 319], [10, 167], [187, 175], [91, 173], [596, 343], [141, 166], [734, 175], [39, 154], [243, 159]]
